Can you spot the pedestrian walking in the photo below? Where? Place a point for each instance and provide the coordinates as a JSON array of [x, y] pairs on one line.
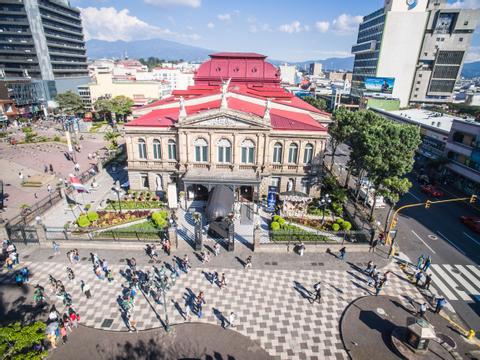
[[77, 167], [186, 263], [378, 287], [49, 189], [301, 249], [25, 273], [56, 248], [216, 249], [214, 277], [342, 253], [420, 261], [422, 309], [51, 168], [175, 268], [22, 177], [45, 169], [70, 274], [373, 245], [231, 319], [418, 277], [74, 317], [63, 334], [222, 282], [427, 264], [109, 276], [428, 280], [441, 302], [85, 289], [318, 292], [369, 267], [52, 338], [248, 262], [35, 195]]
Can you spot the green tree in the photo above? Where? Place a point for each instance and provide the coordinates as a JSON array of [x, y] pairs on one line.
[[318, 103], [112, 136], [121, 106], [17, 341], [340, 129], [70, 102], [103, 107]]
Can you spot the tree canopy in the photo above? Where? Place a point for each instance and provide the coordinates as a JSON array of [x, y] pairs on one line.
[[17, 342], [121, 106], [318, 103], [70, 102]]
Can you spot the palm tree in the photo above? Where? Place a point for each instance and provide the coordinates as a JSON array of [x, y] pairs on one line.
[[112, 136]]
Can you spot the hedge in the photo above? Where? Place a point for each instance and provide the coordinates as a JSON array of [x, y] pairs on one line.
[[83, 221], [92, 216]]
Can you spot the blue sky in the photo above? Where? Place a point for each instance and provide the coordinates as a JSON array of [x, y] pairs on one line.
[[285, 30]]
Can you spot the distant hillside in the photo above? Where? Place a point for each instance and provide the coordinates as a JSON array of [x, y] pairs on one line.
[[471, 70], [332, 63], [163, 49]]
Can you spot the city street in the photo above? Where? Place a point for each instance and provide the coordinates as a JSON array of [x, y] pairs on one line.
[[438, 232]]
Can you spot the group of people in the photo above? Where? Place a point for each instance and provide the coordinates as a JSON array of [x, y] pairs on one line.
[[57, 325], [101, 268], [10, 254], [374, 277]]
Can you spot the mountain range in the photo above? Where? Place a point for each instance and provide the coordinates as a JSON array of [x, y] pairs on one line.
[[171, 50]]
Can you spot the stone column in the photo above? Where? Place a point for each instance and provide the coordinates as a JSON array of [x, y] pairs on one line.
[[257, 234], [42, 235], [173, 237]]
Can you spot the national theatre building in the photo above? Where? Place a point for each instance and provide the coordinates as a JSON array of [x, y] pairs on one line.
[[236, 126]]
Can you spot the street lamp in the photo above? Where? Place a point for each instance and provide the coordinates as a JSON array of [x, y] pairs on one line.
[[116, 189], [324, 201], [164, 284]]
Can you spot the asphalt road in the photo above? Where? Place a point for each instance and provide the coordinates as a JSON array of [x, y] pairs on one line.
[[438, 232]]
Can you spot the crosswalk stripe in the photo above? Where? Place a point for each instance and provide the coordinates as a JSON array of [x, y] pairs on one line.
[[471, 277], [474, 269], [462, 294], [438, 283], [461, 280]]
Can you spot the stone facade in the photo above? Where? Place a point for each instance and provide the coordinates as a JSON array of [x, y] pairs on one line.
[[156, 170]]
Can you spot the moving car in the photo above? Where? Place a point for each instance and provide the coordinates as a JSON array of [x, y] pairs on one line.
[[431, 190], [472, 222]]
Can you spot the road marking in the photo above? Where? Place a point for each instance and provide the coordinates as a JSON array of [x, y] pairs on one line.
[[414, 196], [474, 269], [451, 243], [461, 280], [424, 243], [475, 241], [473, 279], [439, 283]]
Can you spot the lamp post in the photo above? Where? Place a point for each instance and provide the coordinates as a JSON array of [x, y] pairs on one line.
[[164, 285], [324, 201], [116, 189]]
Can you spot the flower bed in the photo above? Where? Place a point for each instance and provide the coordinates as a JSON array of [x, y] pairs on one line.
[[281, 231], [135, 205], [105, 219], [329, 225]]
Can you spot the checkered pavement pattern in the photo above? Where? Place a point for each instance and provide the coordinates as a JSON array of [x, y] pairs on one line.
[[272, 307]]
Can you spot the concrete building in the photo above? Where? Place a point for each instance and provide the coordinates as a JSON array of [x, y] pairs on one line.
[[178, 79], [288, 74], [43, 39], [315, 69], [400, 41], [247, 133]]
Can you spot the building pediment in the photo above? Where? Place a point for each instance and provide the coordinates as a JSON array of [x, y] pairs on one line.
[[224, 118]]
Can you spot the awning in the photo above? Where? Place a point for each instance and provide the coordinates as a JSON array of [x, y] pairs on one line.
[[206, 177]]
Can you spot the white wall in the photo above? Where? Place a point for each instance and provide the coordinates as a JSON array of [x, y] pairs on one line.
[[401, 5], [402, 40]]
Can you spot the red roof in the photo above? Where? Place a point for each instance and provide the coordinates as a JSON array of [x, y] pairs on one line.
[[280, 119], [238, 55]]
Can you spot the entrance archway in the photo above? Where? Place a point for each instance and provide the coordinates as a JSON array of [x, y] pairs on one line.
[[197, 192]]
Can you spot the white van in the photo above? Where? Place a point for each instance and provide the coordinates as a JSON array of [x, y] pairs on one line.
[[368, 194]]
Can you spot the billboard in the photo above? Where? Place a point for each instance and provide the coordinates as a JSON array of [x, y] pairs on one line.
[[380, 85]]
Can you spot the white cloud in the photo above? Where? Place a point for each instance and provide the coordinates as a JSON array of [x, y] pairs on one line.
[[346, 24], [294, 27], [473, 54], [110, 24], [256, 26], [322, 26], [465, 4], [190, 3], [210, 25], [224, 17]]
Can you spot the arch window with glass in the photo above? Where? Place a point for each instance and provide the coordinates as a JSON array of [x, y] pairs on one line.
[[142, 149], [224, 151], [308, 154], [248, 152], [201, 150], [293, 153], [277, 153], [172, 150], [157, 151]]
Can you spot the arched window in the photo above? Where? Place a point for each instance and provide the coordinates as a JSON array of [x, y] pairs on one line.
[[201, 150], [224, 151], [293, 153], [157, 151], [172, 150], [277, 153], [308, 154], [248, 152], [142, 149]]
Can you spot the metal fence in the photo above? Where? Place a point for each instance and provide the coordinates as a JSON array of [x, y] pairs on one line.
[[31, 212], [22, 234], [288, 236], [119, 235]]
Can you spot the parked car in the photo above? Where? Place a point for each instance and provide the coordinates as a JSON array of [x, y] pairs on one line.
[[431, 190], [472, 222], [367, 196]]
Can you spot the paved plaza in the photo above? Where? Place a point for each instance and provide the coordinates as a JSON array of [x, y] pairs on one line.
[[272, 304]]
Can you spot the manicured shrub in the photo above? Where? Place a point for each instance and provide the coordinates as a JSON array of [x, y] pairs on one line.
[[335, 227], [275, 226], [339, 221], [346, 226], [281, 222], [92, 216], [83, 221], [276, 217]]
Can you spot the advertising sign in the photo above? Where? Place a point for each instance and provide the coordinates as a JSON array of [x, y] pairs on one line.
[[272, 198], [381, 85]]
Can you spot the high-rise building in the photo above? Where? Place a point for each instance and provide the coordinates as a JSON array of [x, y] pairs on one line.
[[315, 69], [43, 39], [415, 46]]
